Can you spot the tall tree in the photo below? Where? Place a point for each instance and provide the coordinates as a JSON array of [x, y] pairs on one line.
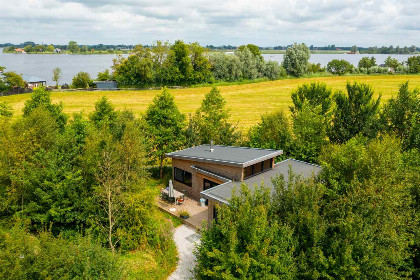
[[73, 47], [42, 98], [56, 75], [295, 59], [315, 93], [164, 127], [401, 114], [272, 132], [354, 113], [212, 118]]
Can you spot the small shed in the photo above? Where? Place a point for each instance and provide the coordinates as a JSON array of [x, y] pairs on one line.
[[34, 81], [106, 85]]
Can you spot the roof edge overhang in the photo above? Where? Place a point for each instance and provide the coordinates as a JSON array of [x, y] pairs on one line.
[[275, 153]]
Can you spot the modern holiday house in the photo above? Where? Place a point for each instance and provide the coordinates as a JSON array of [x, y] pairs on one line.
[[213, 171]]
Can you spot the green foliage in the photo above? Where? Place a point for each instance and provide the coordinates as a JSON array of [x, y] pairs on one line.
[[6, 110], [317, 94], [309, 129], [249, 63], [12, 79], [104, 76], [73, 47], [255, 50], [295, 59], [339, 67], [401, 115], [56, 75], [164, 126], [367, 62], [104, 113], [315, 68], [226, 67], [354, 113], [81, 80], [25, 256], [211, 121], [392, 63], [273, 132], [413, 64], [42, 98], [247, 243]]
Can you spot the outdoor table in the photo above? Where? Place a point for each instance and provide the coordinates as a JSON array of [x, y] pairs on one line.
[[177, 194]]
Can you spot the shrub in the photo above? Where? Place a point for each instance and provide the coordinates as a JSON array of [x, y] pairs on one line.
[[413, 64], [295, 59]]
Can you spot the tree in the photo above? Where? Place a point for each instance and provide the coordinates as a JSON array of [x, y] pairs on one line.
[[309, 129], [84, 49], [246, 242], [56, 75], [354, 113], [413, 64], [249, 63], [81, 80], [353, 49], [164, 127], [12, 79], [315, 93], [226, 67], [367, 62], [73, 47], [212, 120], [255, 50], [392, 63], [181, 62], [339, 67], [104, 113], [41, 98], [401, 114], [50, 48], [200, 64], [273, 71], [295, 60], [272, 132]]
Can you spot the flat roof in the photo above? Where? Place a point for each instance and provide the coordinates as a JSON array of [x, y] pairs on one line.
[[225, 155], [223, 192]]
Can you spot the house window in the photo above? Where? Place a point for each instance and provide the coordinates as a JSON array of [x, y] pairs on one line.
[[257, 168], [215, 213], [182, 176], [209, 184]]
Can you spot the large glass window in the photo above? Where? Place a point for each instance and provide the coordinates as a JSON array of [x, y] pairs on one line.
[[182, 176]]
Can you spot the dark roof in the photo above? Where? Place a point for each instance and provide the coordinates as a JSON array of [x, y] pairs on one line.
[[223, 192], [225, 155], [32, 79], [106, 84]]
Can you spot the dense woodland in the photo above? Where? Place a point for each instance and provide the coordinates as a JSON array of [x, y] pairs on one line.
[[81, 183]]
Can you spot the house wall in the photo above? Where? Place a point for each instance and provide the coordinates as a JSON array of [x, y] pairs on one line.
[[230, 172]]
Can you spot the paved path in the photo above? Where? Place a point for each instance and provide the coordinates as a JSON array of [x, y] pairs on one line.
[[185, 240]]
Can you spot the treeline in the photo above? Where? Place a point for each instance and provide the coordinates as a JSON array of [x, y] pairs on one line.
[[72, 47], [187, 64], [359, 219], [74, 194]]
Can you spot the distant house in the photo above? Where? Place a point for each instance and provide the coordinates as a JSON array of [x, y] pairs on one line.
[[57, 50], [19, 50], [106, 85], [212, 172], [34, 81]]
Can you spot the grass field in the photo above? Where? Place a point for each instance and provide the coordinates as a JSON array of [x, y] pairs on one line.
[[246, 102]]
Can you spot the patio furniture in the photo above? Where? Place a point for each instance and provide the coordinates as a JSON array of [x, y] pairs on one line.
[[177, 194]]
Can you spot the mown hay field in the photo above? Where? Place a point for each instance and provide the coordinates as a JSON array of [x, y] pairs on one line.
[[246, 102]]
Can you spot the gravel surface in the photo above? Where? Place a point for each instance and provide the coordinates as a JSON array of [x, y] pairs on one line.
[[185, 240]]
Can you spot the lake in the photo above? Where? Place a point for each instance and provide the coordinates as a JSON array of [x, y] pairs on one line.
[[42, 65]]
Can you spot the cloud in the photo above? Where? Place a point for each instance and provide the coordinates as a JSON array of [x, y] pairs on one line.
[[263, 22]]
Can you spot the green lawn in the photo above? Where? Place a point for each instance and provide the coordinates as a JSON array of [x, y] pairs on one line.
[[245, 101]]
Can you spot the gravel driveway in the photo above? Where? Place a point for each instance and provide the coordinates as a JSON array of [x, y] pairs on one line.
[[185, 240]]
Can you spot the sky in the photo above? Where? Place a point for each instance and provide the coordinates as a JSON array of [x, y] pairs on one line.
[[215, 22]]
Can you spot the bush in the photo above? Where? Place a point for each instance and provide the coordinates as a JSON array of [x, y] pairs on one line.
[[25, 256], [81, 80], [413, 64], [315, 68], [367, 62], [339, 67]]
